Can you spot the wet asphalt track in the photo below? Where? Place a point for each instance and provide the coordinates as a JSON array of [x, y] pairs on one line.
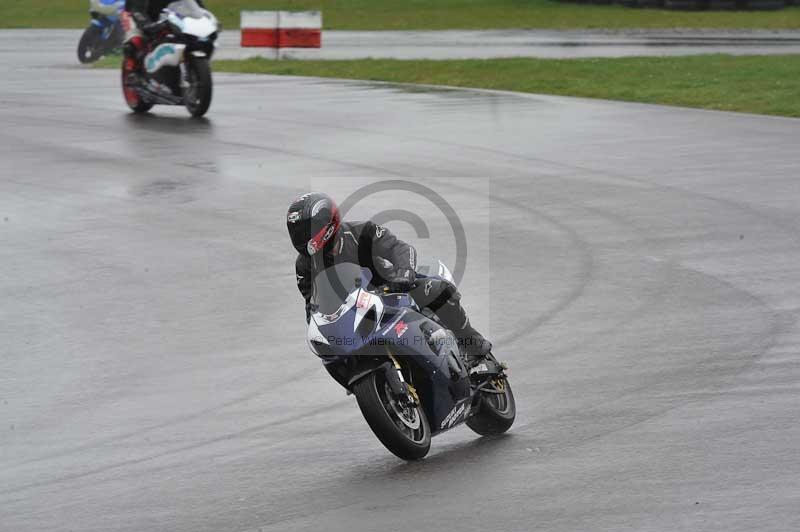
[[636, 265], [480, 44]]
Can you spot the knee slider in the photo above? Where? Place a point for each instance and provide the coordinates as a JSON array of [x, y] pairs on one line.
[[443, 293]]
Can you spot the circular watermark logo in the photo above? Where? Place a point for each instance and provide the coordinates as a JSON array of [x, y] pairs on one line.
[[413, 219]]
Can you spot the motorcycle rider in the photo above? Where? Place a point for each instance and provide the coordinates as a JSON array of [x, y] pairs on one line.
[[322, 240], [139, 20]]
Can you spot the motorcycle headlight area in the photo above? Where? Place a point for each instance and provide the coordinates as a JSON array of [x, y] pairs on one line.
[[322, 349], [201, 29]]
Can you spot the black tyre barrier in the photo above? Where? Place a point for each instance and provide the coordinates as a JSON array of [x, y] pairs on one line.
[[685, 5], [721, 5], [642, 3], [763, 5]]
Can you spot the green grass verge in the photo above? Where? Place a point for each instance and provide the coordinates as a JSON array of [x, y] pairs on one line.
[[754, 84], [429, 14]]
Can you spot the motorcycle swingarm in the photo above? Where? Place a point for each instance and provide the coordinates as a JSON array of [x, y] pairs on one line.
[[161, 99]]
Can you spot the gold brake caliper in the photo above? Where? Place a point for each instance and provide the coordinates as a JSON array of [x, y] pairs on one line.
[[411, 389], [413, 392], [500, 382]]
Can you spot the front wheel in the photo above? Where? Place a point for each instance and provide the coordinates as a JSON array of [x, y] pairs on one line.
[[116, 38], [89, 49], [496, 408], [197, 94], [404, 430]]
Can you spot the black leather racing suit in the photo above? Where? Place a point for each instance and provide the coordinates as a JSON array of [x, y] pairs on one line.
[[375, 247], [145, 10]]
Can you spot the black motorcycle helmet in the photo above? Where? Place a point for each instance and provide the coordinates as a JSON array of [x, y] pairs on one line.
[[313, 221]]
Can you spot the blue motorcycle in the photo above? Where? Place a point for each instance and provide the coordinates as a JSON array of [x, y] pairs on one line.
[[405, 369], [104, 33]]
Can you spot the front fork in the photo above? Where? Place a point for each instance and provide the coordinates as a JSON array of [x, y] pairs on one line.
[[393, 372], [104, 23], [184, 83], [400, 387], [184, 68]]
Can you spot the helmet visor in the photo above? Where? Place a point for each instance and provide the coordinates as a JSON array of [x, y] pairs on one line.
[[310, 235]]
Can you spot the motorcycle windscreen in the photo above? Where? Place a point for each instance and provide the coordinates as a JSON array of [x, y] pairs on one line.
[[333, 285], [186, 8], [106, 7]]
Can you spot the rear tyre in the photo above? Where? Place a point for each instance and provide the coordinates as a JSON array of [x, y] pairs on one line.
[[89, 49], [197, 96], [131, 95], [404, 431], [496, 409]]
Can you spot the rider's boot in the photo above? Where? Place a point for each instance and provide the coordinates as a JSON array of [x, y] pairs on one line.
[[470, 342], [474, 346], [444, 300]]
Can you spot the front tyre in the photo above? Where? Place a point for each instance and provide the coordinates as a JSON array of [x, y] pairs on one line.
[[402, 430], [496, 408], [89, 49], [197, 94], [116, 38]]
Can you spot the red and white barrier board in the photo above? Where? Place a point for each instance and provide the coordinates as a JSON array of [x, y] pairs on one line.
[[259, 29], [299, 29], [281, 29]]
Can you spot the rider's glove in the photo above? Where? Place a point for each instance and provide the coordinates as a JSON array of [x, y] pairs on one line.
[[402, 280]]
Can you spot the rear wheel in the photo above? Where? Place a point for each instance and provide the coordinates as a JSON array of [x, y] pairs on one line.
[[89, 47], [197, 95], [496, 409], [132, 97], [403, 429]]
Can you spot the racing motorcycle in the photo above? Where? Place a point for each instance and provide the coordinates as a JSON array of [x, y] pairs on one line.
[[405, 369], [104, 33], [176, 68]]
